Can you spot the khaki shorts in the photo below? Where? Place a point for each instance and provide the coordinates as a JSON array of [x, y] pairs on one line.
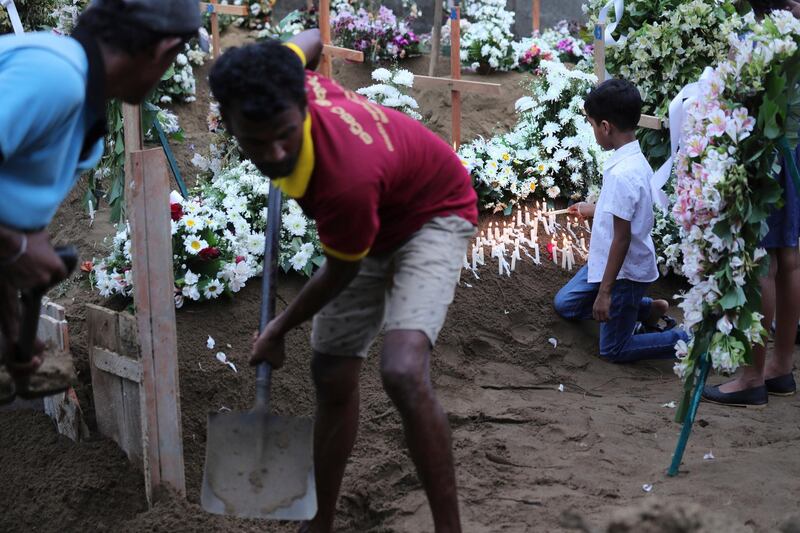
[[408, 289]]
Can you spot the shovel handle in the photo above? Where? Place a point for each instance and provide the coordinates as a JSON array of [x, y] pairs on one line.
[[269, 288], [31, 307]]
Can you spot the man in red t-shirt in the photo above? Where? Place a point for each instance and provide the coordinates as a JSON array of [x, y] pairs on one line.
[[395, 210]]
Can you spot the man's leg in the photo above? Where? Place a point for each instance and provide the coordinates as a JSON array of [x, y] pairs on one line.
[[346, 328], [575, 299], [618, 344], [426, 271], [335, 428], [753, 376], [405, 369]]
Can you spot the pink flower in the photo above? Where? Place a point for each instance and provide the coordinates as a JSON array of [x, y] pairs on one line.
[[718, 123], [696, 145]]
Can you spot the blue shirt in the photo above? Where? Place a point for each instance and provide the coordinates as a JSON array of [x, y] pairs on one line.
[[51, 122]]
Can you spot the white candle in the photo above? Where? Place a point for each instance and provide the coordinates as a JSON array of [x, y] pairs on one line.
[[588, 227], [497, 231], [555, 250], [527, 217], [474, 256], [583, 244], [536, 254]]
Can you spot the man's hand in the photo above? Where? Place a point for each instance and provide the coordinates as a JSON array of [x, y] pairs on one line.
[[269, 347], [39, 266], [602, 306], [582, 209]]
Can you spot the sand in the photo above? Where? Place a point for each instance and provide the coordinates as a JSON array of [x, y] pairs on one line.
[[529, 458]]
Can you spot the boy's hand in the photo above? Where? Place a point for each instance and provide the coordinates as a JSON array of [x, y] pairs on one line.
[[582, 209], [602, 306]]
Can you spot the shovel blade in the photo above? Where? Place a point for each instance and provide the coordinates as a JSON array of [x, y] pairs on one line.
[[259, 466]]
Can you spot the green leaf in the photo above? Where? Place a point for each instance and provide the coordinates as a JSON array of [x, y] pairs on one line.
[[733, 298]]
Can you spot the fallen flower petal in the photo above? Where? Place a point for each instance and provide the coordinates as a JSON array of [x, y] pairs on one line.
[[210, 343], [553, 341]]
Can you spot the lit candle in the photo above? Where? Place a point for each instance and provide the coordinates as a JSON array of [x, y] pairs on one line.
[[497, 231], [588, 227], [519, 216], [583, 244], [527, 217], [536, 254], [555, 250]]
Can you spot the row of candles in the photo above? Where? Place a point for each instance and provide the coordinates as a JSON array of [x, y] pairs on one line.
[[525, 222]]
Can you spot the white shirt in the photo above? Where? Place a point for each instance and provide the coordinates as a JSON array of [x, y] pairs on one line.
[[625, 194]]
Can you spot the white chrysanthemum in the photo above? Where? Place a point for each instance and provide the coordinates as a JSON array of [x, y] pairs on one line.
[[404, 77], [382, 75], [194, 245], [213, 289], [295, 224]]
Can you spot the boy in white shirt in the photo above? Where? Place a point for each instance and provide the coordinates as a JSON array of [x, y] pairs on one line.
[[622, 259]]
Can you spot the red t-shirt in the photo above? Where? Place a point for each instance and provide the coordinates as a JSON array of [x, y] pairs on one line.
[[378, 175]]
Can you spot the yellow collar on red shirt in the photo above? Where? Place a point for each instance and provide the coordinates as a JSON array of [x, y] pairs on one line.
[[296, 184]]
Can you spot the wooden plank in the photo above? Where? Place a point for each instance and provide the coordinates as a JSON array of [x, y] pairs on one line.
[[105, 387], [117, 365], [537, 12], [342, 53], [148, 202], [650, 122], [465, 86], [326, 67], [223, 9], [600, 52]]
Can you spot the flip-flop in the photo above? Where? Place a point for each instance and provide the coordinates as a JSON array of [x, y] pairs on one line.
[[669, 323]]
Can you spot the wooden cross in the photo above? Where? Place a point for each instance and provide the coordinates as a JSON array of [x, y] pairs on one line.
[[328, 50], [454, 82], [215, 10], [536, 12], [647, 121], [147, 200]]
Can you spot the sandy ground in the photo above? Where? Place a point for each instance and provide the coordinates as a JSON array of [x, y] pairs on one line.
[[528, 457]]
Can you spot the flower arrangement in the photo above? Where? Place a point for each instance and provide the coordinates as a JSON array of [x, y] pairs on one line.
[[389, 91], [290, 25], [178, 82], [381, 36], [665, 45], [218, 239], [725, 190], [550, 153], [567, 43], [65, 15], [487, 44]]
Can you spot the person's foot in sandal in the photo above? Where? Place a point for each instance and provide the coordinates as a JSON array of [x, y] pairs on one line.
[[751, 397], [781, 385], [659, 321]]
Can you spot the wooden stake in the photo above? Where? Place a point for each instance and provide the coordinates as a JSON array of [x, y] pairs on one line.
[[600, 52], [455, 71], [436, 39], [537, 11], [328, 50], [215, 9], [147, 198], [326, 67]]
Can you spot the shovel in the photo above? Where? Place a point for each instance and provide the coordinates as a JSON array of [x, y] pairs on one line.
[[54, 375], [259, 465]]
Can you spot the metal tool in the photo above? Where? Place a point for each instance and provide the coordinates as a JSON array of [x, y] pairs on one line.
[[260, 465]]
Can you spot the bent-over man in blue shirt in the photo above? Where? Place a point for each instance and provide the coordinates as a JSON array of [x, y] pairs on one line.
[[53, 94]]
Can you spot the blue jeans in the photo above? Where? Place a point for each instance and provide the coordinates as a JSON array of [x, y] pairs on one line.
[[629, 305]]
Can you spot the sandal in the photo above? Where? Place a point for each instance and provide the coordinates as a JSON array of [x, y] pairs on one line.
[[669, 323]]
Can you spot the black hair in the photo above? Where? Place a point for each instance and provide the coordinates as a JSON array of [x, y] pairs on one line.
[[121, 32], [260, 80], [762, 7], [616, 101]]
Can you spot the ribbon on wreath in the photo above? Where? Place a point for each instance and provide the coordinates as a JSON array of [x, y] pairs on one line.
[[676, 117], [13, 15], [619, 10]]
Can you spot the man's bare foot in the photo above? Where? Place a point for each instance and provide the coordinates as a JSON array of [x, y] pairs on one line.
[[658, 309]]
